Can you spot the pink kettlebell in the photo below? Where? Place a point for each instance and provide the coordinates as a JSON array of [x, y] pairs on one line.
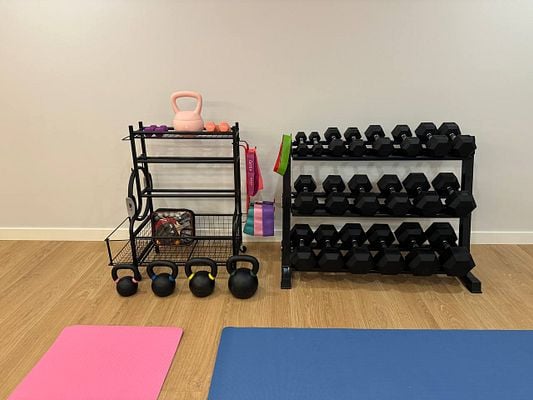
[[187, 121]]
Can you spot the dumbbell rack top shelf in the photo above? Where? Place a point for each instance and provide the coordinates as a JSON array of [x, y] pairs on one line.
[[366, 157], [470, 281], [218, 235]]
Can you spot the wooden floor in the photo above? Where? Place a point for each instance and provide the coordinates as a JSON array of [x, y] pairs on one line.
[[47, 286]]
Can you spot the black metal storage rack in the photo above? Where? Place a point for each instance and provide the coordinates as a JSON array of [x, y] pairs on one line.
[[470, 281], [217, 235]]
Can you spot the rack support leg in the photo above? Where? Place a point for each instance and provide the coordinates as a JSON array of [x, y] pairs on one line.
[[472, 283]]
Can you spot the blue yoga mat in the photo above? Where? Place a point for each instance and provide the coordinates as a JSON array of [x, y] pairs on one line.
[[275, 364]]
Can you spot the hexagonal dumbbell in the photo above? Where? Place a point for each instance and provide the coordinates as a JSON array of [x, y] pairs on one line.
[[305, 201], [456, 261], [421, 261], [301, 144], [330, 257], [396, 203], [387, 260], [302, 256], [426, 203], [365, 203], [462, 145], [447, 186], [381, 145], [358, 259], [409, 144], [356, 145], [336, 146], [316, 147], [336, 201], [436, 145]]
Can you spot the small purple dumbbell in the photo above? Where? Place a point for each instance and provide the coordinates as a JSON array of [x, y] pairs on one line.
[[150, 128], [160, 130]]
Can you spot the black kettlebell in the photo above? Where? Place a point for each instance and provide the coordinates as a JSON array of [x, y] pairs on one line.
[[163, 284], [201, 283], [242, 282], [127, 285]]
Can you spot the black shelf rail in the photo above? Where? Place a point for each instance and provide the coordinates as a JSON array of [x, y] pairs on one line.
[[175, 135], [184, 160], [470, 281], [217, 236], [188, 193], [382, 213], [369, 157]]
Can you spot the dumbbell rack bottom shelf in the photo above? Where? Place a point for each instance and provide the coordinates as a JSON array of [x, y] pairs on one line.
[[470, 281], [465, 223]]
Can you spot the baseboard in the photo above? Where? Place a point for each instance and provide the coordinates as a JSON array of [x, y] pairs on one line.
[[502, 237], [97, 234], [62, 234]]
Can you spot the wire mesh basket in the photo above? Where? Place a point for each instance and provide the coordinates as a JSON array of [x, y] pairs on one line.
[[213, 237]]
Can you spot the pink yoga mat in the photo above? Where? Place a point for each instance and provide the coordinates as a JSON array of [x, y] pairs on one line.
[[102, 362]]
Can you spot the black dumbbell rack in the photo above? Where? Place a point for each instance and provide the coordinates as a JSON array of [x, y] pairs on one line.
[[217, 236], [470, 281]]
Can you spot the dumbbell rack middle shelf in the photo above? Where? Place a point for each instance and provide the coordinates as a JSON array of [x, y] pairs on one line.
[[470, 281], [381, 213]]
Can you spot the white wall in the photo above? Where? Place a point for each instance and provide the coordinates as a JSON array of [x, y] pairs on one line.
[[74, 74]]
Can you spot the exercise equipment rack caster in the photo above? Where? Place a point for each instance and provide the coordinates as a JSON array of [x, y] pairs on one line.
[[286, 277]]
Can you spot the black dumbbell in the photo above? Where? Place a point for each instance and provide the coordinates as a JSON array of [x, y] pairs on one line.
[[336, 201], [302, 256], [381, 145], [396, 203], [436, 145], [356, 145], [409, 144], [336, 146], [330, 257], [305, 201], [358, 259], [427, 203], [462, 145], [421, 261], [301, 145], [366, 203], [460, 202], [388, 260], [316, 147], [456, 261]]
